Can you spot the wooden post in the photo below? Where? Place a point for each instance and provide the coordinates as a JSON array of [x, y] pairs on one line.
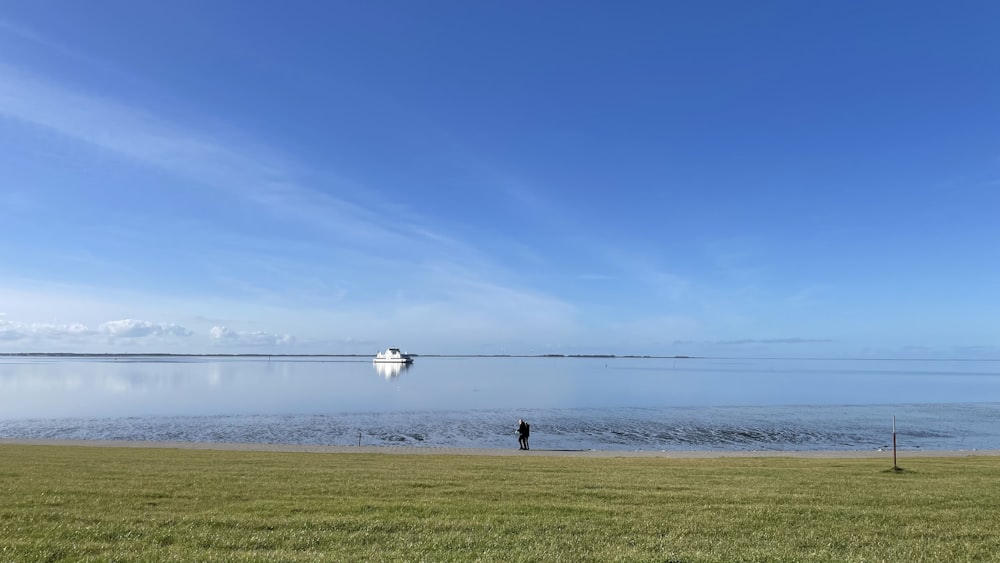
[[894, 466]]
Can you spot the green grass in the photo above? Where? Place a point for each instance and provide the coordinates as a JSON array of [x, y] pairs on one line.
[[111, 504]]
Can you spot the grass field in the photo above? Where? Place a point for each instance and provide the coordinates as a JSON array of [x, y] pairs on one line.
[[111, 504]]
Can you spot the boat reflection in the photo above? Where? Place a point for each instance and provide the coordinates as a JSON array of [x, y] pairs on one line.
[[390, 371]]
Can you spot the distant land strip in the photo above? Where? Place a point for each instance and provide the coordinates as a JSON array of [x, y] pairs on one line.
[[585, 356], [217, 355]]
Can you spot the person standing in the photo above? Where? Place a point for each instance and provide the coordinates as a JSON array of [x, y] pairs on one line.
[[523, 430]]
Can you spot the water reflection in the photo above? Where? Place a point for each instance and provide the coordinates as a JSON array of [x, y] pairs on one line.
[[212, 386], [390, 371]]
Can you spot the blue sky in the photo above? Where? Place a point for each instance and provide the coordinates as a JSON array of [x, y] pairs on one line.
[[717, 178]]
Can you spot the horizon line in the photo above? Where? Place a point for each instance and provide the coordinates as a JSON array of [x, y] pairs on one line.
[[546, 355]]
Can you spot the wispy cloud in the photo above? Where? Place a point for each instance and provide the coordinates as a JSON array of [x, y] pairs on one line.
[[372, 237], [243, 169], [29, 35], [249, 338], [339, 211], [740, 259], [751, 341], [647, 272], [808, 296]]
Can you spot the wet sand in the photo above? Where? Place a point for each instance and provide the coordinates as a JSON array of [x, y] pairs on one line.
[[419, 450]]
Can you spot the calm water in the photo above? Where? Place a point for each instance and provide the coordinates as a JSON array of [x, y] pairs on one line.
[[572, 403]]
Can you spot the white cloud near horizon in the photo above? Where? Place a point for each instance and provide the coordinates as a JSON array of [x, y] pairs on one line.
[[462, 311], [124, 328], [249, 338], [131, 328], [11, 331], [53, 337]]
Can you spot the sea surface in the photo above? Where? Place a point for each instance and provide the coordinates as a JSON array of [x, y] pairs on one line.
[[572, 403]]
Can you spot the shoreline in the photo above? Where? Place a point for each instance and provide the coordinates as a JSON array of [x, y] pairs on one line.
[[431, 450]]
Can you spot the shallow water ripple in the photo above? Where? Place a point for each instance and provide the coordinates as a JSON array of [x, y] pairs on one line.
[[810, 428]]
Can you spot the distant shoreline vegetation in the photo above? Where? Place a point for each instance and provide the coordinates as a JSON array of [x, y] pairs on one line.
[[578, 356], [218, 355]]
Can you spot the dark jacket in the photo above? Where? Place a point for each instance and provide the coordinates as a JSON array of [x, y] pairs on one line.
[[523, 428]]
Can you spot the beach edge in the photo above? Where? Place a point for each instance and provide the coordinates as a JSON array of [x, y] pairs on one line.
[[433, 450]]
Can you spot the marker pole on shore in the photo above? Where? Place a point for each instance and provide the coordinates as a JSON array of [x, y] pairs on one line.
[[894, 466]]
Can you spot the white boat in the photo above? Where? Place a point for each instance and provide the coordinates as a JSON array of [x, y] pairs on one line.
[[392, 356]]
